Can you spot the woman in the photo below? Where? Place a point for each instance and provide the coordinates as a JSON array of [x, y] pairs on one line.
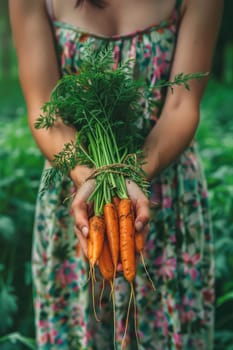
[[165, 38]]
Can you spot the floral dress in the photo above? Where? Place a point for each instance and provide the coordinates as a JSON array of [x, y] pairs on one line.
[[178, 251]]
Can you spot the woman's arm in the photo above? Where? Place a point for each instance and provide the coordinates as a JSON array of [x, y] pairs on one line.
[[180, 116], [39, 73]]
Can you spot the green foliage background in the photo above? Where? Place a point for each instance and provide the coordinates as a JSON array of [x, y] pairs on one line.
[[20, 168]]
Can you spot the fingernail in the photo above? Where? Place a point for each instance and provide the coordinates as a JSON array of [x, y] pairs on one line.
[[85, 231]]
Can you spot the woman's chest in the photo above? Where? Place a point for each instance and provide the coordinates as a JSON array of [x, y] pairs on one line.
[[118, 17], [151, 49]]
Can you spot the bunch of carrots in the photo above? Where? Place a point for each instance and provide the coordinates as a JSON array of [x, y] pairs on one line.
[[113, 240], [102, 104]]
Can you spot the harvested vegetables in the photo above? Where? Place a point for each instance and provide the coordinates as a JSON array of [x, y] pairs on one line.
[[112, 232], [102, 104]]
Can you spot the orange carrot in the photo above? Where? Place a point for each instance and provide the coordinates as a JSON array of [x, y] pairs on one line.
[[139, 242], [96, 238], [112, 231], [105, 263], [94, 248], [128, 257], [127, 239], [139, 246], [108, 272], [116, 200], [90, 251]]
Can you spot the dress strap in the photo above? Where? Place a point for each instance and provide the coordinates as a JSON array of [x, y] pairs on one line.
[[49, 8]]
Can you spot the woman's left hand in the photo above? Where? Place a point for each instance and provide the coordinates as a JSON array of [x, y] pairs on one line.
[[141, 207], [81, 210]]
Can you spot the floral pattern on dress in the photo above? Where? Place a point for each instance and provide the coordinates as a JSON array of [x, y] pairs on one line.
[[178, 251]]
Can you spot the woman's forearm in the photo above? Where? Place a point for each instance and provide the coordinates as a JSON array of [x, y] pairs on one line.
[[38, 70], [52, 140], [169, 138]]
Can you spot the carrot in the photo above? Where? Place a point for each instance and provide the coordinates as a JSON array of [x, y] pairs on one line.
[[105, 263], [139, 246], [90, 251], [139, 242], [106, 267], [96, 238], [112, 231], [95, 243], [116, 200], [108, 273], [128, 257], [127, 239]]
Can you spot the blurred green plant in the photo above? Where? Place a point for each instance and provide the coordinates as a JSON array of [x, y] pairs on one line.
[[16, 338], [216, 145], [20, 168]]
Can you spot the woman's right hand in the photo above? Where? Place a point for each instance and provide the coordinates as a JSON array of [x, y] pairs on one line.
[[81, 209]]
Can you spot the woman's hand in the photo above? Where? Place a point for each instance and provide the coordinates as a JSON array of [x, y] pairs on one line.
[[82, 210], [141, 207]]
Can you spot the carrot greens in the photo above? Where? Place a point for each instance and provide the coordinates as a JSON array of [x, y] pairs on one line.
[[103, 105]]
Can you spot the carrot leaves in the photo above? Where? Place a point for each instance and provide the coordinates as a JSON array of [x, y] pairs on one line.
[[104, 105]]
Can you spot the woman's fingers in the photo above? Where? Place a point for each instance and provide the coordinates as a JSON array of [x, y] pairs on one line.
[[82, 240], [141, 205], [81, 209], [142, 212]]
